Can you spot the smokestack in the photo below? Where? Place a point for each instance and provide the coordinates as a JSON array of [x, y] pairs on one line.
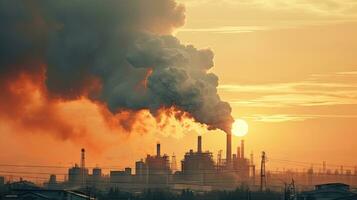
[[83, 165], [199, 144], [158, 154], [83, 158], [242, 149], [229, 149], [238, 152]]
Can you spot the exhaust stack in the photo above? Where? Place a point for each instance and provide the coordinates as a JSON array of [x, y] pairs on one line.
[[158, 151], [238, 152], [242, 149], [199, 144], [229, 149]]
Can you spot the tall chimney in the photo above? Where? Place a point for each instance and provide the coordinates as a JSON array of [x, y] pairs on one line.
[[83, 158], [199, 144], [242, 149], [83, 166], [238, 152], [158, 150], [229, 149]]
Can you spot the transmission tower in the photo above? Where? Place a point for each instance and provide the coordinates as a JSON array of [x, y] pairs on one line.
[[263, 181]]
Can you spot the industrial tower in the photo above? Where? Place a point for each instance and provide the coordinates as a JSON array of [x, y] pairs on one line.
[[83, 166], [263, 181]]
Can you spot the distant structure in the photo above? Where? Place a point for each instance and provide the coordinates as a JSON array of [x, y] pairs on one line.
[[83, 166], [155, 170], [173, 163], [52, 183], [241, 165], [96, 179], [263, 181], [199, 171], [252, 169], [219, 159], [77, 175], [229, 151], [121, 178], [198, 166], [324, 167], [329, 191]]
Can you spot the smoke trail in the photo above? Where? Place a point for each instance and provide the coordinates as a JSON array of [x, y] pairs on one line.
[[118, 52]]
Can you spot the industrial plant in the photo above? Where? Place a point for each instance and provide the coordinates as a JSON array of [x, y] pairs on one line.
[[199, 171]]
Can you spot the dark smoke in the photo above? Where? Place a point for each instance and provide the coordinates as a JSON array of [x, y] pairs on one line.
[[116, 42]]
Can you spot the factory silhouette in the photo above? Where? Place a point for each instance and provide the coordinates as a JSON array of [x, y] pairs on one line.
[[199, 171], [200, 174]]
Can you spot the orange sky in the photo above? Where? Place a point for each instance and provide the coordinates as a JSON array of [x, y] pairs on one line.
[[287, 67]]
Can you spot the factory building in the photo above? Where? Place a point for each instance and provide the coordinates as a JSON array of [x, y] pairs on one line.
[[121, 178], [198, 166], [155, 169], [96, 179], [241, 164], [141, 172], [77, 175]]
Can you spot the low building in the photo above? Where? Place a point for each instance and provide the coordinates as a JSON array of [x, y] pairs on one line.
[[119, 178], [330, 191], [77, 176]]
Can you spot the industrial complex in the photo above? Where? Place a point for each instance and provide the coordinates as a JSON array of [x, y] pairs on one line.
[[199, 171]]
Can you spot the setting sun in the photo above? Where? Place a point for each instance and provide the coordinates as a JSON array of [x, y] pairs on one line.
[[240, 128]]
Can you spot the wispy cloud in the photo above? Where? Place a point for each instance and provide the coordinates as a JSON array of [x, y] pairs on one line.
[[347, 73], [225, 29], [322, 91], [292, 117], [293, 12]]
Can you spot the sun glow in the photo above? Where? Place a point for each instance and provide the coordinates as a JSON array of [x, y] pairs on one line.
[[240, 128]]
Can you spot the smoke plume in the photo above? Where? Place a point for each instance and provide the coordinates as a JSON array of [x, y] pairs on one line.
[[117, 52]]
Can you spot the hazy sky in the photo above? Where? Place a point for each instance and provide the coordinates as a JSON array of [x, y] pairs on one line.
[[288, 67]]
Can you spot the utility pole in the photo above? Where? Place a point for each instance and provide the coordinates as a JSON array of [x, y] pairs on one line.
[[263, 181]]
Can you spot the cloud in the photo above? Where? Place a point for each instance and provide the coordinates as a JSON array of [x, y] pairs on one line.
[[225, 29], [292, 117], [322, 90], [273, 13]]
